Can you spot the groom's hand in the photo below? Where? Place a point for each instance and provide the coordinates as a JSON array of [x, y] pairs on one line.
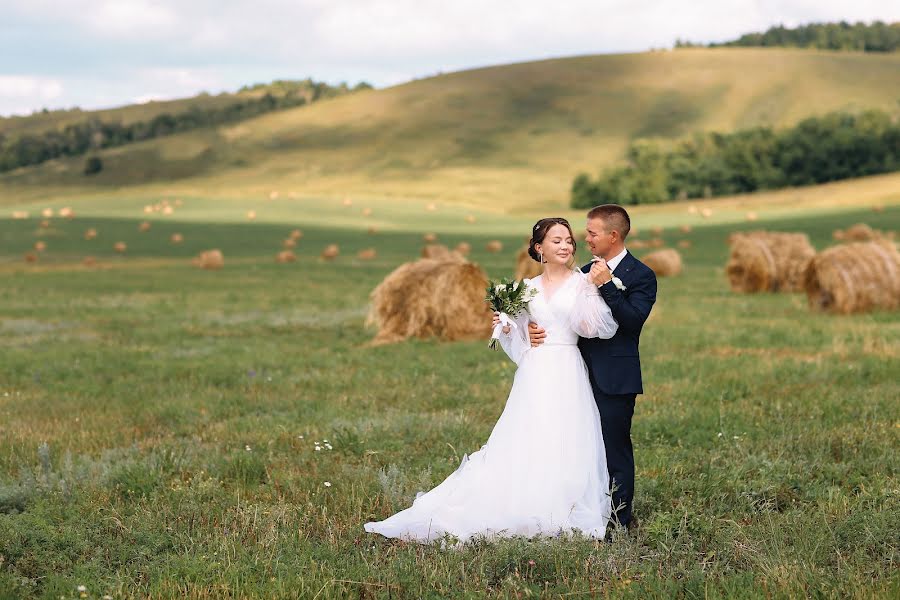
[[536, 334], [496, 322], [600, 272]]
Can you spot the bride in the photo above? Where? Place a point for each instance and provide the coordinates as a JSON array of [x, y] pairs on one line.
[[543, 468]]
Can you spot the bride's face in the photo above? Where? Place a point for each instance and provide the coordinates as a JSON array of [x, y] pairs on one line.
[[558, 246]]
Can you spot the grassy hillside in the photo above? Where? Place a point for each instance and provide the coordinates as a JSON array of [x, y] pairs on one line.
[[510, 136]]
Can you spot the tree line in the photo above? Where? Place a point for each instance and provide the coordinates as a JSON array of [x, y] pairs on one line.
[[817, 150], [94, 133], [866, 37]]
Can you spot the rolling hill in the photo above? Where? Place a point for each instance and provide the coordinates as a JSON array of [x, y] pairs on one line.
[[508, 137]]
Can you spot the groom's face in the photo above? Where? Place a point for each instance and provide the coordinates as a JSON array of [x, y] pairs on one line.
[[598, 239]]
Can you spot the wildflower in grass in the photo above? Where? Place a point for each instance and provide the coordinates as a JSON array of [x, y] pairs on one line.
[[531, 563], [251, 373], [247, 447], [327, 484]]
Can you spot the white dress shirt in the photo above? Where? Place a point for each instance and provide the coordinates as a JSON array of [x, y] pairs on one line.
[[614, 261]]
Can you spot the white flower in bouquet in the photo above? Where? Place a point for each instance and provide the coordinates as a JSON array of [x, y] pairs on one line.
[[510, 299]]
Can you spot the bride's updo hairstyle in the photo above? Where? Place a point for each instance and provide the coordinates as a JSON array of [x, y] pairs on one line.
[[539, 232]]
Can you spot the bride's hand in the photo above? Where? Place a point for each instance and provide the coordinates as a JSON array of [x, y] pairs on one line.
[[536, 334]]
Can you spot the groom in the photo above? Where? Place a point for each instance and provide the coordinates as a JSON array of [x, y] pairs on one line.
[[614, 365]]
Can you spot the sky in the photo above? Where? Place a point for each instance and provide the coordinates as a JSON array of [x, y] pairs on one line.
[[103, 53]]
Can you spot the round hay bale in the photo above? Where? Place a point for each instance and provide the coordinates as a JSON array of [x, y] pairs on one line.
[[526, 267], [878, 208], [45, 224], [348, 202], [148, 209], [211, 260], [273, 195], [90, 234], [665, 263], [289, 243], [853, 278], [40, 246], [89, 261], [168, 210], [296, 234], [656, 243], [367, 254], [439, 252], [251, 215], [178, 202], [430, 238], [285, 256], [764, 261], [67, 213], [176, 238], [145, 226], [120, 247], [330, 252], [751, 216], [494, 246], [367, 212], [706, 213], [657, 231], [860, 232], [692, 209], [431, 207], [685, 243], [463, 248], [47, 213], [20, 214], [372, 230], [431, 298], [685, 229], [470, 219], [31, 257], [638, 244]]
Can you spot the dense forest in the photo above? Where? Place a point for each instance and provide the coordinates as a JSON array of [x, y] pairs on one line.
[[819, 149], [93, 133], [864, 37]]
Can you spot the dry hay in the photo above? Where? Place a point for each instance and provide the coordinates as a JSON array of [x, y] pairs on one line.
[[45, 224], [665, 263], [429, 238], [372, 230], [692, 209], [20, 214], [494, 246], [296, 234], [47, 213], [685, 244], [330, 252], [765, 261], [463, 248], [145, 226], [289, 243], [685, 228], [526, 267], [67, 213], [273, 195], [439, 252], [286, 256], [470, 219], [855, 277], [31, 257], [431, 207], [657, 231], [367, 254], [167, 210], [251, 215], [176, 238], [89, 261], [431, 298], [878, 208], [178, 202], [751, 216], [706, 213], [120, 247], [347, 202], [210, 259], [40, 246], [148, 209], [638, 244], [860, 232], [656, 243], [367, 212], [90, 234]]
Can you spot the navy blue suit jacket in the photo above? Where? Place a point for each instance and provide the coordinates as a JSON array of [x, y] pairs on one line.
[[615, 364]]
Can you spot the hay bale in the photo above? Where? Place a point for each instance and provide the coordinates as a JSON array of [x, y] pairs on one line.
[[89, 261], [40, 246], [526, 267], [348, 202], [145, 226], [706, 213], [20, 214], [878, 208], [168, 210], [90, 234], [431, 207], [470, 219], [47, 213], [211, 260], [765, 261], [330, 252], [665, 263], [439, 252], [860, 232], [463, 248], [176, 238], [251, 215], [656, 243], [178, 202], [692, 209], [31, 257], [657, 231], [429, 238], [751, 216], [285, 256], [289, 243], [638, 244], [296, 234], [367, 212], [494, 246], [367, 254], [372, 230], [431, 298], [273, 195], [120, 247], [148, 209], [685, 229], [67, 213], [45, 224], [685, 243], [855, 277]]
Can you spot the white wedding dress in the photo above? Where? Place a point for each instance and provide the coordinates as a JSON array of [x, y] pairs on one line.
[[543, 468]]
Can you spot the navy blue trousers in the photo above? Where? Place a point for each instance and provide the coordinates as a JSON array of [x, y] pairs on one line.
[[616, 412]]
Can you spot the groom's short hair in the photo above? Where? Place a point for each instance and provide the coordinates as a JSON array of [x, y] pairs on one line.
[[614, 217]]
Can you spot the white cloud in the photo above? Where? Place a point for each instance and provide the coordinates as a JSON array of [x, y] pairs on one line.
[[20, 94]]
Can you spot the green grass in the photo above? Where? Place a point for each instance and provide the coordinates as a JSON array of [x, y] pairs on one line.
[[151, 414], [511, 136]]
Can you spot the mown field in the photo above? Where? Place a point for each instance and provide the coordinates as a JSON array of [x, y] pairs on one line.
[[158, 423]]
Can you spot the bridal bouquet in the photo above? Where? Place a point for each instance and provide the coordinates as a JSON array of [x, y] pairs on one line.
[[510, 299]]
